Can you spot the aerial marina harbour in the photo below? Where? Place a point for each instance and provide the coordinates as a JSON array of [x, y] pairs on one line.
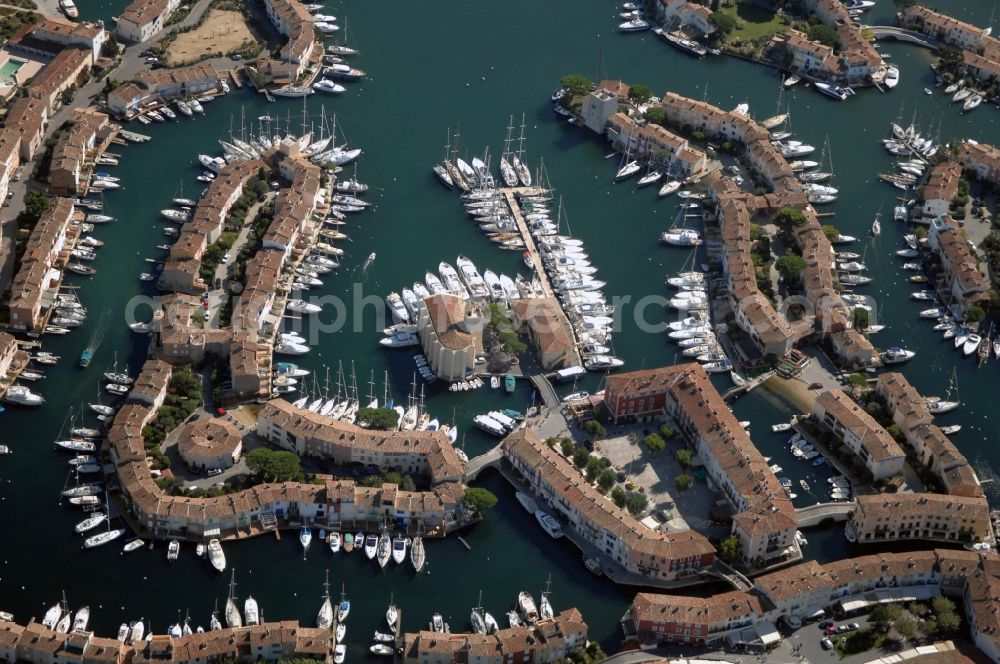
[[668, 334]]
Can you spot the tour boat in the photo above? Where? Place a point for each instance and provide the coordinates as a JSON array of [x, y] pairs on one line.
[[326, 85], [69, 8], [837, 92], [399, 546]]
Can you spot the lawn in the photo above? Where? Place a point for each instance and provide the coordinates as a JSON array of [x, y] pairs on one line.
[[757, 22]]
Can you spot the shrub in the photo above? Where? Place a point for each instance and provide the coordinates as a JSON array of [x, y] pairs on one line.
[[683, 482], [655, 443]]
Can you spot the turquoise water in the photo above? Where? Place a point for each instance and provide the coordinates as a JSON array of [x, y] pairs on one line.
[[435, 65], [9, 69]]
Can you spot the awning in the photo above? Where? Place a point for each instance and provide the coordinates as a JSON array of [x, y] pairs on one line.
[[209, 532], [767, 633]]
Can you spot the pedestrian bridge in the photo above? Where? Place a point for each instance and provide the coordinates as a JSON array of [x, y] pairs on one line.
[[820, 512], [901, 34], [485, 460]]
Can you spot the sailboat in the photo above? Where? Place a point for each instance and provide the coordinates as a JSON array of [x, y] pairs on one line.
[[342, 49], [544, 607], [344, 608], [507, 171], [939, 406], [441, 170], [876, 228], [477, 618], [233, 617], [417, 555], [629, 166], [523, 174], [324, 619]]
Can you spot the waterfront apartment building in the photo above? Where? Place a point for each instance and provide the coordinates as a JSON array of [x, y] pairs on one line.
[[331, 504], [693, 17], [598, 108], [272, 641], [544, 642], [142, 20], [426, 454], [754, 314], [848, 585], [73, 152], [941, 189], [859, 62], [658, 618], [946, 28], [849, 424], [806, 56], [981, 159], [181, 269], [653, 142], [548, 329], [451, 335], [60, 34], [65, 71], [162, 85], [924, 516], [967, 284], [764, 517], [664, 557], [932, 447], [46, 248]]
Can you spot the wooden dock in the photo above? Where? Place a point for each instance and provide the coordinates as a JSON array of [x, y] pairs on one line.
[[529, 241]]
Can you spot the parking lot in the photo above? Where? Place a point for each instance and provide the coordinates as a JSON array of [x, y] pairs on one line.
[[656, 473]]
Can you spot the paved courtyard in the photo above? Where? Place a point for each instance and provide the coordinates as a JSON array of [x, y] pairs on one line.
[[655, 473]]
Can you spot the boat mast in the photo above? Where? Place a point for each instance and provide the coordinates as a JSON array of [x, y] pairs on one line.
[[326, 586], [354, 382], [520, 141], [506, 142], [371, 387]]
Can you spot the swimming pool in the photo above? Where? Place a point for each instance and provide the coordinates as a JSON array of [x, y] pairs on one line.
[[9, 69]]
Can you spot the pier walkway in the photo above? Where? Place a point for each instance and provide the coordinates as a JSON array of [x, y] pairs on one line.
[[820, 512], [529, 241], [747, 386], [511, 195]]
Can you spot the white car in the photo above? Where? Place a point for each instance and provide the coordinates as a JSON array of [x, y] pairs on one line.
[[225, 259]]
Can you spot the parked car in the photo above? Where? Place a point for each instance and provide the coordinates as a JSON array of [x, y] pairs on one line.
[[827, 644], [826, 624], [212, 472]]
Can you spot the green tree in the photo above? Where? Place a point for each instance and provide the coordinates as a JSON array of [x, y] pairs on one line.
[[618, 496], [724, 23], [110, 47], [666, 432], [640, 93], [635, 502], [790, 266], [824, 35], [35, 203], [408, 484], [948, 623], [788, 219], [479, 499], [683, 457], [576, 84], [861, 319], [654, 443], [595, 428], [593, 468], [381, 419], [393, 477], [884, 615], [831, 232], [274, 465], [567, 446], [729, 549], [580, 457], [683, 482], [975, 314], [655, 115], [606, 479], [906, 627]]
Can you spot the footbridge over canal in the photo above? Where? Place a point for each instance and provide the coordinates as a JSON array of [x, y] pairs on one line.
[[902, 34], [820, 512]]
